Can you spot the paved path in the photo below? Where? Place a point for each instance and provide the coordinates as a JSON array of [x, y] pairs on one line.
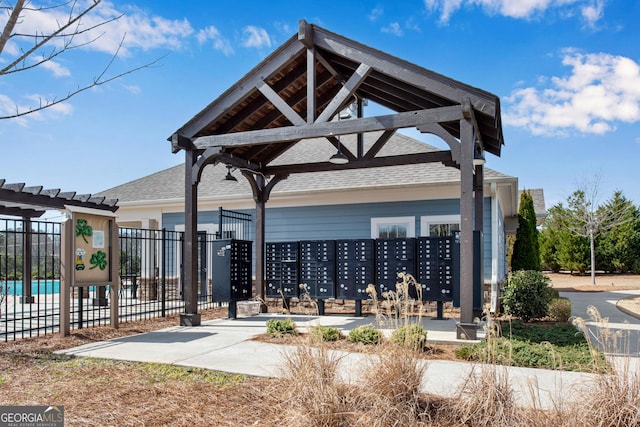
[[616, 332], [226, 345]]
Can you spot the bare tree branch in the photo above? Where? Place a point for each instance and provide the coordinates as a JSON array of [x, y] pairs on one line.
[[48, 38], [11, 24], [97, 81], [68, 30]]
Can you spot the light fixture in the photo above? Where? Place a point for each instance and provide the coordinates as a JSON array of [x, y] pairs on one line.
[[230, 177], [478, 157], [339, 158]]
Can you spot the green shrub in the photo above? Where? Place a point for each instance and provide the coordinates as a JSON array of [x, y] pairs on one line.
[[560, 309], [365, 334], [413, 336], [527, 294], [281, 327], [534, 346], [325, 333]]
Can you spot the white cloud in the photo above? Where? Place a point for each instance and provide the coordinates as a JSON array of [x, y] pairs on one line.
[[255, 37], [219, 43], [601, 90], [9, 107], [590, 10], [56, 69], [376, 13], [392, 28], [140, 29], [133, 89]]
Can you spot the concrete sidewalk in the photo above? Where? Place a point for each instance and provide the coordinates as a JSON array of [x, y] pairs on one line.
[[226, 345]]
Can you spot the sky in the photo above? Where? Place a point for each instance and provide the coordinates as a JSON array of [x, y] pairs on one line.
[[567, 73]]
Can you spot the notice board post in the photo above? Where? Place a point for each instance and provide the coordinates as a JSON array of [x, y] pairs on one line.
[[89, 257]]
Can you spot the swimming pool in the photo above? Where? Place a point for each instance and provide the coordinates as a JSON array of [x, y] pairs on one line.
[[38, 287]]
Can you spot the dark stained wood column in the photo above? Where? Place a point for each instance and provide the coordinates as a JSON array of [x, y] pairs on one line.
[[478, 195], [190, 317], [260, 242], [466, 329]]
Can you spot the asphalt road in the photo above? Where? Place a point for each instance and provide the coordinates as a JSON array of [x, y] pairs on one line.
[[615, 332]]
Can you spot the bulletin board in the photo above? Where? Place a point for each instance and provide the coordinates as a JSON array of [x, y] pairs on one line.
[[92, 248]]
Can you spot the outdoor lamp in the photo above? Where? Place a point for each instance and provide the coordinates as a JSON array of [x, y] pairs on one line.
[[230, 177], [339, 158]]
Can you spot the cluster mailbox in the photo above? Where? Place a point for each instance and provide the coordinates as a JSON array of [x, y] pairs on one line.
[[318, 268], [282, 270], [394, 256], [232, 270], [343, 269], [355, 268], [438, 267]]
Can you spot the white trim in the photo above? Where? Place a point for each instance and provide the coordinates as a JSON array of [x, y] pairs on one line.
[[427, 220], [495, 250], [409, 221], [208, 228]]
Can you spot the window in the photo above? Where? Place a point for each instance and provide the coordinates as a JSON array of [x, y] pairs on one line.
[[439, 225], [393, 227]]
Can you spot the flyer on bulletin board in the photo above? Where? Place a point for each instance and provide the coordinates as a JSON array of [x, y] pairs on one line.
[[92, 263]]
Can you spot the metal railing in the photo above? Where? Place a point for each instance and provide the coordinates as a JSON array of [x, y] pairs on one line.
[[151, 263]]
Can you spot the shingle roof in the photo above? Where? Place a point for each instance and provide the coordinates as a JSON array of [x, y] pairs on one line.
[[539, 206], [169, 183]]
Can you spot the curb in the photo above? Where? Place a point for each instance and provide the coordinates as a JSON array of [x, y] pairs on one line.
[[625, 310]]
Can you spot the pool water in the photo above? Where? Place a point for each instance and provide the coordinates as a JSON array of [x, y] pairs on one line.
[[38, 287]]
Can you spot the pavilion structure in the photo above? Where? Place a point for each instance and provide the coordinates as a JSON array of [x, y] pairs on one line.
[[295, 94]]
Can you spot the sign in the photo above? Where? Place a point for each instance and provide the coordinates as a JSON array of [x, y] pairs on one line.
[[31, 416], [92, 243]]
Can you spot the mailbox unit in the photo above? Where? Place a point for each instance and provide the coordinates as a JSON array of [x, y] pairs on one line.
[[232, 270], [282, 270]]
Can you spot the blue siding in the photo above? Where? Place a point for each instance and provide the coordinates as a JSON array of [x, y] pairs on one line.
[[349, 221]]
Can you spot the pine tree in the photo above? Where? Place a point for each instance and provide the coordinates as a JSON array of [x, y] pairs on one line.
[[526, 249]]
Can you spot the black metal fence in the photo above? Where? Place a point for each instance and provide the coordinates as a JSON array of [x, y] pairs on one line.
[[151, 264]]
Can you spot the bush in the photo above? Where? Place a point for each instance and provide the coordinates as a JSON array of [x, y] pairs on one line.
[[281, 327], [560, 309], [412, 336], [325, 333], [527, 294], [365, 334]]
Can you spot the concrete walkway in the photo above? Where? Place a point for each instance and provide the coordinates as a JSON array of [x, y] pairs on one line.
[[226, 345]]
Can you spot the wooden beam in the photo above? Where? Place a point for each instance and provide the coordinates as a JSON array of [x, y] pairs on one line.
[[242, 88], [20, 211], [437, 130], [345, 92], [305, 33], [382, 140], [319, 130], [180, 142], [407, 72], [376, 162], [311, 85], [468, 113], [280, 104]]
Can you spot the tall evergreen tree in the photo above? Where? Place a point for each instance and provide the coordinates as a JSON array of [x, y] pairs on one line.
[[526, 249]]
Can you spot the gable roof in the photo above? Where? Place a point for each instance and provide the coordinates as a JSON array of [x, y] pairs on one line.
[[293, 94], [169, 184]]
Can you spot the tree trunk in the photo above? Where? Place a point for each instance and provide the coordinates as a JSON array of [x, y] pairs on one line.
[[593, 258]]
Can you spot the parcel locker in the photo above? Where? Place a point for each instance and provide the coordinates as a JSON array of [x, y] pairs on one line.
[[318, 268], [439, 268], [282, 270], [394, 256], [355, 262], [232, 270]]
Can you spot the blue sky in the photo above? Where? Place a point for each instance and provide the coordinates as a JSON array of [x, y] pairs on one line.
[[567, 73]]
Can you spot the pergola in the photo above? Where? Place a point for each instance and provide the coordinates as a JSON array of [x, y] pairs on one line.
[[32, 202], [296, 92]]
